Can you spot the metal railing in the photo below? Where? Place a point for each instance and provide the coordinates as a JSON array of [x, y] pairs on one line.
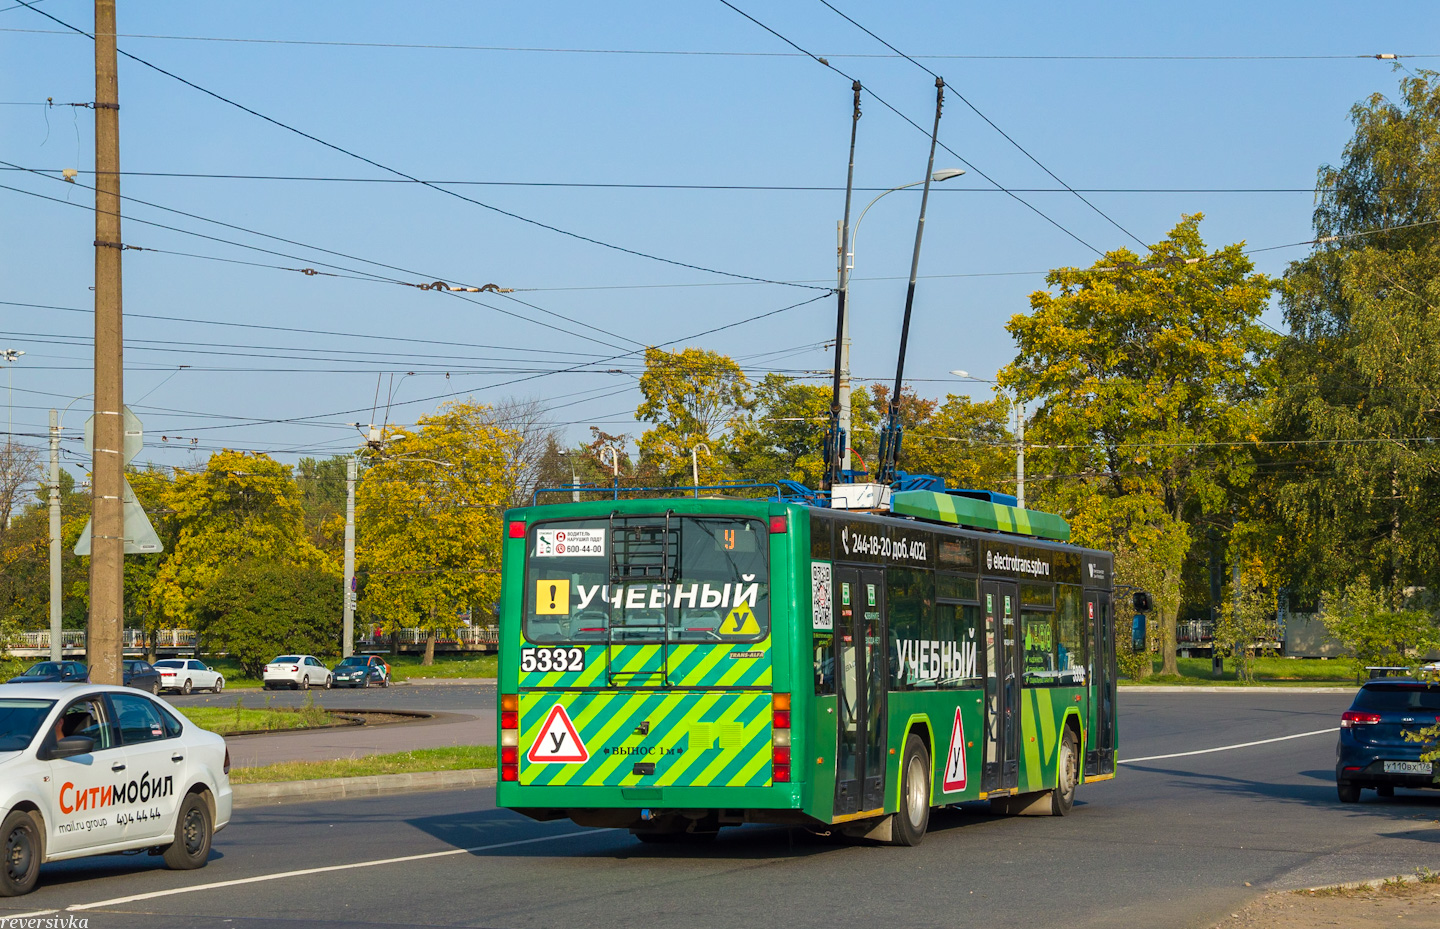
[[465, 635], [131, 639]]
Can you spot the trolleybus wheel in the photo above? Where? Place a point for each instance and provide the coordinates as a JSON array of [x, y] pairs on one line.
[[1062, 798], [913, 817]]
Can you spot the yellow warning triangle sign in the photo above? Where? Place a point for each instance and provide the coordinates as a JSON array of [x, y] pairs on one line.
[[740, 622]]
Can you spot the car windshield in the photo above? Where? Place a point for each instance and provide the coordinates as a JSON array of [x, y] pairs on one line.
[[134, 666], [42, 669], [354, 662], [1397, 698], [170, 663], [286, 659], [19, 721]]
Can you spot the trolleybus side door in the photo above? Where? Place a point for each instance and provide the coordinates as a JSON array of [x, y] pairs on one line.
[[1100, 754], [860, 679], [1002, 686]]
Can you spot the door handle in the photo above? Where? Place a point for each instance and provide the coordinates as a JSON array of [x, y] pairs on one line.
[[177, 757], [117, 767]]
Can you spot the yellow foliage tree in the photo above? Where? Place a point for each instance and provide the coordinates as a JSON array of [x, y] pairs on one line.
[[428, 518], [242, 506]]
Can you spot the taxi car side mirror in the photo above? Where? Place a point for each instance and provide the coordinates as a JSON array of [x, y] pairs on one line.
[[72, 745]]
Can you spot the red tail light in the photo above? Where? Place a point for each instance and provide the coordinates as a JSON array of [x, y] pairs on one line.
[[780, 755], [780, 773], [509, 754], [509, 772], [1350, 719], [517, 530], [778, 524], [782, 719], [509, 719]]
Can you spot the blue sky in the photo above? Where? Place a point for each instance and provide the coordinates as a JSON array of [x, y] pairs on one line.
[[607, 117]]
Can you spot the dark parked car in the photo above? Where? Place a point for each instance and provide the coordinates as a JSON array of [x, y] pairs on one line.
[[52, 672], [1373, 752], [141, 676], [362, 671]]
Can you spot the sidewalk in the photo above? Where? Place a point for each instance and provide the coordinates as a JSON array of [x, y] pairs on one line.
[[1231, 689], [442, 730]]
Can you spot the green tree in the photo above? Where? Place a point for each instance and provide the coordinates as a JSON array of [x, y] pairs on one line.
[[1146, 371], [255, 610], [242, 506], [1358, 391], [690, 397], [428, 520], [1362, 617], [1245, 622], [25, 560]]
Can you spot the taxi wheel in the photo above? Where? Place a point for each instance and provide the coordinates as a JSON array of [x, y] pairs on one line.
[[328, 681], [1349, 793], [186, 687], [219, 684], [155, 689], [303, 684], [193, 831], [24, 850]]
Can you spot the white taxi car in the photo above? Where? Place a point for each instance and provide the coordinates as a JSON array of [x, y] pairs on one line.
[[88, 769], [187, 674], [298, 671]]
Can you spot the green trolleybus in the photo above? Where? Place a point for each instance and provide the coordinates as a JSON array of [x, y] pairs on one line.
[[675, 665]]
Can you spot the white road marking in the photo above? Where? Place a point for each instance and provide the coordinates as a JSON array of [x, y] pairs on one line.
[[1227, 748], [115, 901], [5, 917]]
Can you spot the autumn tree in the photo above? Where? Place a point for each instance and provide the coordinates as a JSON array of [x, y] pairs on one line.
[[966, 442], [690, 397], [428, 520], [1145, 371], [1358, 393], [240, 506]]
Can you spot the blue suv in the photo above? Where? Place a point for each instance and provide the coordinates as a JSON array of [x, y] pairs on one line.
[[1373, 751]]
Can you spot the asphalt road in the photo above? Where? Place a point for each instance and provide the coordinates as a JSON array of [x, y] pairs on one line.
[[1170, 843]]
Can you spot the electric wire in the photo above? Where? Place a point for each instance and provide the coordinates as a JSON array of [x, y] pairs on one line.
[[386, 168], [882, 101], [988, 121]]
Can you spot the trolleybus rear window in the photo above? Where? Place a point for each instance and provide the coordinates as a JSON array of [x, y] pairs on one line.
[[639, 580]]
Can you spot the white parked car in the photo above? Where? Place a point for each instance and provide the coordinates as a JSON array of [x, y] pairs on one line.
[[300, 672], [187, 674], [88, 769]]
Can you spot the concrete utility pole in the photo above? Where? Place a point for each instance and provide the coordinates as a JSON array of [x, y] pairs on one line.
[[107, 559], [1019, 451], [56, 634], [347, 643]]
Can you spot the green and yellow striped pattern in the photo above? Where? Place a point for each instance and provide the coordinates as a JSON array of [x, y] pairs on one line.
[[981, 514], [719, 665], [693, 739]]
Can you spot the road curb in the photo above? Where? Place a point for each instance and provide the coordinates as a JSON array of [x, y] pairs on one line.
[[341, 788], [1237, 689]]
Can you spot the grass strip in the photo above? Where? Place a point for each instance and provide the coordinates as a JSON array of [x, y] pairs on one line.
[[227, 719], [451, 758]]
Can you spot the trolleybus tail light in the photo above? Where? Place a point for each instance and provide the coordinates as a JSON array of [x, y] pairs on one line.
[[1350, 719], [517, 530], [509, 737], [778, 524], [780, 736]]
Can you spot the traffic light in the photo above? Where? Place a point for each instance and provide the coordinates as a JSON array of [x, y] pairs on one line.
[[1142, 602]]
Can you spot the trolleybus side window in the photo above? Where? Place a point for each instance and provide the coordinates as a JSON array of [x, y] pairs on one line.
[[1037, 629], [1072, 651]]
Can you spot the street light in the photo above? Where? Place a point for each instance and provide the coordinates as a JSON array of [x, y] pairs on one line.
[[11, 355], [57, 635], [847, 262], [1019, 435]]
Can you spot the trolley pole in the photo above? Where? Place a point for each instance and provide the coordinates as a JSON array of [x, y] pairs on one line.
[[56, 633], [107, 558], [347, 643], [1019, 451]]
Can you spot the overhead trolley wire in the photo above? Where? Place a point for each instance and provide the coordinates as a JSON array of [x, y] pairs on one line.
[[883, 102], [990, 122], [707, 53], [397, 172]]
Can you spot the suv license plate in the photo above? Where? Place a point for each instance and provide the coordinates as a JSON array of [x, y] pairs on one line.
[[1407, 767]]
